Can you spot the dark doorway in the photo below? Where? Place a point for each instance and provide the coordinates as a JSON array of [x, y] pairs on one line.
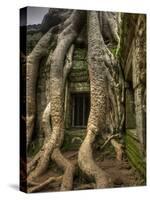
[[80, 109]]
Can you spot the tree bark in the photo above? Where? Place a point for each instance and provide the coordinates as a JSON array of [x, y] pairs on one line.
[[58, 75], [98, 102], [33, 62]]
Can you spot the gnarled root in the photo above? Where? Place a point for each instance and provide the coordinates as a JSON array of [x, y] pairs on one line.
[[98, 102], [109, 138], [117, 146], [88, 165], [46, 120], [47, 130], [65, 39], [33, 162], [33, 62], [69, 169], [118, 149], [45, 184]]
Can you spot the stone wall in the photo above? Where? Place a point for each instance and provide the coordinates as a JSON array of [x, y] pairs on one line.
[[78, 81], [129, 108], [133, 152], [133, 60]]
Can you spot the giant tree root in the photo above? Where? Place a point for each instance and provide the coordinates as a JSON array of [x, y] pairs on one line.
[[69, 169], [58, 75], [109, 138], [33, 162], [118, 149], [33, 63], [98, 102], [33, 60], [46, 120], [67, 178], [47, 131], [88, 165], [117, 146], [45, 184]]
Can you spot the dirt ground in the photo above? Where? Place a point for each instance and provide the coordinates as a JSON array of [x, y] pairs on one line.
[[121, 173]]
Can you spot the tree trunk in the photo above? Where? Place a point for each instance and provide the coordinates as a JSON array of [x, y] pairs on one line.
[[33, 62], [98, 102], [58, 75]]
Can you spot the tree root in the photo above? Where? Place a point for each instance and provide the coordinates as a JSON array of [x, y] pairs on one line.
[[113, 27], [117, 146], [88, 165], [33, 60], [68, 63], [98, 103], [65, 39], [47, 131], [32, 183], [46, 120], [109, 138], [86, 186], [45, 184], [33, 162], [57, 80], [118, 149], [69, 169]]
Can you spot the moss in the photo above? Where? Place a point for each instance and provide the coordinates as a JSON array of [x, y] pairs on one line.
[[79, 59], [133, 153], [136, 163], [79, 53], [113, 50], [127, 31], [73, 139], [79, 79], [79, 74], [80, 87]]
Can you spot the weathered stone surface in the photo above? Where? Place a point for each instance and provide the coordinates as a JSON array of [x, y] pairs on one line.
[[129, 109], [78, 81], [133, 152], [133, 58], [79, 87], [73, 139]]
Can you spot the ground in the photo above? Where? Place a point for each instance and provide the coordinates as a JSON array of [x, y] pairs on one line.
[[121, 172]]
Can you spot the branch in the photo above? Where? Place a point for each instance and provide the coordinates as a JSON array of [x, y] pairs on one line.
[[43, 185], [118, 149], [108, 139], [68, 63], [32, 163]]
